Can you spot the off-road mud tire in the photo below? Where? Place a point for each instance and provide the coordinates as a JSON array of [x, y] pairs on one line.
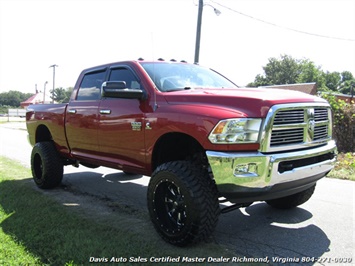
[[183, 202], [292, 201], [46, 165]]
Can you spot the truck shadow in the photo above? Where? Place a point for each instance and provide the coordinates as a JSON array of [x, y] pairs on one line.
[[116, 188], [258, 231], [262, 231]]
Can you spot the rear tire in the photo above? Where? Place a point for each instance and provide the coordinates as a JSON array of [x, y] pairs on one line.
[[46, 165], [292, 201], [182, 203]]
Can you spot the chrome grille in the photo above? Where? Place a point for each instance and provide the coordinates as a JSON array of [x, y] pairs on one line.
[[297, 126], [286, 136], [289, 117], [320, 132], [320, 115]]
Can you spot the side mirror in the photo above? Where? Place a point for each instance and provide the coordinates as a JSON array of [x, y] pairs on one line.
[[118, 89]]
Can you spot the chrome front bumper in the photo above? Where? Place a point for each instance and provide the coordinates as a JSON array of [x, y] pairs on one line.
[[254, 172]]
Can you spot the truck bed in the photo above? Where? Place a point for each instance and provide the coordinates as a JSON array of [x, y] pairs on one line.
[[49, 116]]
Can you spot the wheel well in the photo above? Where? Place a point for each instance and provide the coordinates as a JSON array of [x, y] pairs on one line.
[[43, 134], [174, 147]]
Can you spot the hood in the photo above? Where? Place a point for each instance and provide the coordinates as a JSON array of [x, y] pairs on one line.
[[250, 102]]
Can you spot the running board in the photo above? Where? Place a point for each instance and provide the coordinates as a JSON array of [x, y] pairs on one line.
[[235, 207]]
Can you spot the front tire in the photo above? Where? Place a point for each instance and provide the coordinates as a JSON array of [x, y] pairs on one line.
[[182, 202], [46, 165], [292, 201]]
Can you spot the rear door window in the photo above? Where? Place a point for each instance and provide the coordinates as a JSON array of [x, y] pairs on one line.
[[90, 86]]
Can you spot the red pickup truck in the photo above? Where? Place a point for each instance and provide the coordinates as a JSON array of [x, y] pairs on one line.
[[200, 138]]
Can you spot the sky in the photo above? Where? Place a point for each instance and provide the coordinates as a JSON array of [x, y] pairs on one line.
[[78, 34]]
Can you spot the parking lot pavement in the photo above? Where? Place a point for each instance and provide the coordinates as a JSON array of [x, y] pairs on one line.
[[13, 142], [14, 125], [11, 119]]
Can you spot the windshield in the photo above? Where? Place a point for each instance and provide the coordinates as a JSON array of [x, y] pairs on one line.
[[183, 76]]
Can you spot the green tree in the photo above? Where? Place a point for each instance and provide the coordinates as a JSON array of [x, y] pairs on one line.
[[347, 85], [287, 70], [311, 73], [279, 71], [260, 80], [332, 80], [13, 98], [61, 95]]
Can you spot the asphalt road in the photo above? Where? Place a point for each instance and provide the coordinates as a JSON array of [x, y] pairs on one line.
[[321, 228]]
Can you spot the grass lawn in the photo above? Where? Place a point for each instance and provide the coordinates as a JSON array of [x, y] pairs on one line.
[[36, 229], [344, 167]]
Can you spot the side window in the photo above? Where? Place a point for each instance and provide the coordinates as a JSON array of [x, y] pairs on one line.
[[124, 74], [90, 86]]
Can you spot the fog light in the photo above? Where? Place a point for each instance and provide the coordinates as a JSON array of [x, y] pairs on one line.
[[246, 170]]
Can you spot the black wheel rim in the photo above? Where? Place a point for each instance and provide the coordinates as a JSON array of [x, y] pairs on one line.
[[170, 207], [38, 167]]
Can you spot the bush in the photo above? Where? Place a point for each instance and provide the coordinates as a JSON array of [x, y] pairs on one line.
[[344, 167], [4, 109], [343, 123]]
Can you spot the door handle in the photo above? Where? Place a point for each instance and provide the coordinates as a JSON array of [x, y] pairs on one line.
[[105, 111], [72, 111]]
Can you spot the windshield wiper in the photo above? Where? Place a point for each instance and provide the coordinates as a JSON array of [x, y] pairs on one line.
[[181, 89], [174, 89], [178, 89]]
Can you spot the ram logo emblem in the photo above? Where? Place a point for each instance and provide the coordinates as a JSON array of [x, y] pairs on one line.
[[311, 123]]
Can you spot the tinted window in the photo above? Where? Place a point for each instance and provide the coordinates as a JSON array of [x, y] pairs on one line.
[[126, 75], [180, 76], [90, 86]]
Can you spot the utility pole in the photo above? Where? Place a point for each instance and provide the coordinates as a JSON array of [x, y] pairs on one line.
[[198, 31], [44, 92], [54, 66]]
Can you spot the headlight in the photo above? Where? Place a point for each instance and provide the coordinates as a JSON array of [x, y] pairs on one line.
[[239, 130]]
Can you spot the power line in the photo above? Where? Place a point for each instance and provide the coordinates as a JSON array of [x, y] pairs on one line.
[[283, 27]]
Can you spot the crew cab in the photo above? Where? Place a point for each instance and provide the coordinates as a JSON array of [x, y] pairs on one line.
[[202, 140]]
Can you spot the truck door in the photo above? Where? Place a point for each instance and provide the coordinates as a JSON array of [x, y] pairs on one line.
[[121, 125], [82, 117]]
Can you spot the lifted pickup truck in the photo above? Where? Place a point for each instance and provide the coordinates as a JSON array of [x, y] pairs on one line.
[[200, 138]]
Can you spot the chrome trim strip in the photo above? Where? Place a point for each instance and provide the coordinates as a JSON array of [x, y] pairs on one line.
[[105, 111]]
